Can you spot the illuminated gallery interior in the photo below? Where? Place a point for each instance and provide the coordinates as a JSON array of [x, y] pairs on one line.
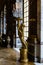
[[21, 32]]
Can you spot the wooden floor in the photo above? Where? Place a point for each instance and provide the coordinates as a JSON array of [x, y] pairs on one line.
[[9, 56]]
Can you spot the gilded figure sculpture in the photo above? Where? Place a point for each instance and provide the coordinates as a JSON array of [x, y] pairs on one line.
[[21, 35], [24, 49]]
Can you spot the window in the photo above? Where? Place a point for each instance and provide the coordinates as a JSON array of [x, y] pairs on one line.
[[42, 30], [26, 18], [3, 21], [20, 14], [41, 21]]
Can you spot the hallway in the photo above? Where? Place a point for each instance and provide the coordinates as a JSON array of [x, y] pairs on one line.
[[21, 25]]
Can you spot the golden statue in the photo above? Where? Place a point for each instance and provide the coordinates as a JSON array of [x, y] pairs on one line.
[[24, 49]]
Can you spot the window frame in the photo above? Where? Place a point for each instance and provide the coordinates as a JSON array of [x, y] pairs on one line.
[[26, 18]]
